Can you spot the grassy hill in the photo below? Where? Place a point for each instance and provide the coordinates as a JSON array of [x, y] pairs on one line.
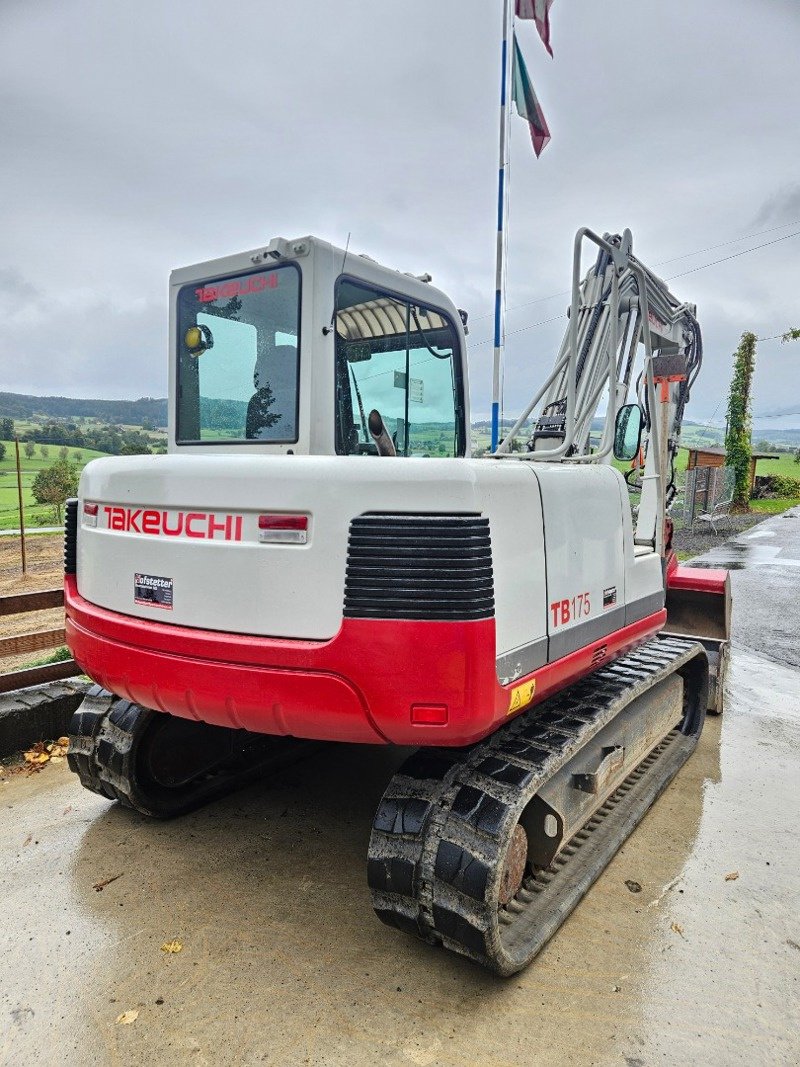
[[119, 412], [35, 514]]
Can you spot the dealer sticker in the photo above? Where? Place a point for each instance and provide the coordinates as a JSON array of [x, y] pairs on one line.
[[153, 591]]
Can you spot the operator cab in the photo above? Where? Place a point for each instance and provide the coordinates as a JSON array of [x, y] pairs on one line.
[[306, 349]]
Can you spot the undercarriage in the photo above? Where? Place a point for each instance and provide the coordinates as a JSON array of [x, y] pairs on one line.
[[485, 849]]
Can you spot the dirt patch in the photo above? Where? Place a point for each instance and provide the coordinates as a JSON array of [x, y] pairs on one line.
[[45, 558]]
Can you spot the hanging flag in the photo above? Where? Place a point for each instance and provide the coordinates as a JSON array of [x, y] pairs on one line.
[[526, 103], [539, 11]]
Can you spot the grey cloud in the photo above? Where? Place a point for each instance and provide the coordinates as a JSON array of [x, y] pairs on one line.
[[140, 138], [782, 207]]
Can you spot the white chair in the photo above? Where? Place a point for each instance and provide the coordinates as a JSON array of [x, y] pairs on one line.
[[720, 513]]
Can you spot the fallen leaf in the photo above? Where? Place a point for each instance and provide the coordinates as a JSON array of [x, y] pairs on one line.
[[27, 840], [634, 887], [63, 741], [677, 929], [37, 754], [98, 887], [172, 946], [732, 876], [56, 759], [128, 1017], [792, 944]]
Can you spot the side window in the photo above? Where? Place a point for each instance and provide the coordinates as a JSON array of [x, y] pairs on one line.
[[401, 360]]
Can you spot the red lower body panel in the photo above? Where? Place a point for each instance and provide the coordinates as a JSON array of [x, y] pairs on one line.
[[383, 681]]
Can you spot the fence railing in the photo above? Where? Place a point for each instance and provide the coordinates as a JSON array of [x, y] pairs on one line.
[[33, 641], [705, 487]]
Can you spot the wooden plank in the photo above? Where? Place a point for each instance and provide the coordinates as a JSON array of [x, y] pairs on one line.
[[32, 642], [19, 603], [68, 668]]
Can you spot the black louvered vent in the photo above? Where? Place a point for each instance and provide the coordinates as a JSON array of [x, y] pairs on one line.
[[419, 567], [70, 536]]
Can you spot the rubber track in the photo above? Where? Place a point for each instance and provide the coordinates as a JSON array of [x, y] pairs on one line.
[[104, 737], [442, 828], [84, 729]]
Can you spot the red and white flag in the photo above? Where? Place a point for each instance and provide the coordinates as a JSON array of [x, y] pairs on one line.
[[539, 11]]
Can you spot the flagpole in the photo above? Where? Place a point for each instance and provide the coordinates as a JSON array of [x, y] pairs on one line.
[[502, 192]]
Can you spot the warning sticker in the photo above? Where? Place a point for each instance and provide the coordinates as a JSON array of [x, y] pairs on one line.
[[610, 597], [521, 696], [153, 591]]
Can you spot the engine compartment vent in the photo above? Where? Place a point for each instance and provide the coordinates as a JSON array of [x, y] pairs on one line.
[[419, 566], [70, 536]]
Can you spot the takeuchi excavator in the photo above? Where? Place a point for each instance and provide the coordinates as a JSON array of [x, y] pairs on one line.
[[320, 556]]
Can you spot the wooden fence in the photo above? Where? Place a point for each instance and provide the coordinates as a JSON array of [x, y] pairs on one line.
[[35, 641]]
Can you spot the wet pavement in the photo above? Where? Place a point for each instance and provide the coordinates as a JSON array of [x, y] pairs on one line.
[[282, 961], [765, 580]]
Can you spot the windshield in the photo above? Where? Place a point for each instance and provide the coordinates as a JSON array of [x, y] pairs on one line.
[[238, 358], [400, 359]]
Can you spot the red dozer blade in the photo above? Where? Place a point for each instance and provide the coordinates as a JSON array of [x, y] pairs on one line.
[[699, 606]]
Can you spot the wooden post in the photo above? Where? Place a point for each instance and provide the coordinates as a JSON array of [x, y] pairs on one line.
[[21, 510]]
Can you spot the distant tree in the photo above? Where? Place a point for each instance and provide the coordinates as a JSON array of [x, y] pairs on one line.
[[44, 451], [792, 334], [7, 429], [77, 456], [2, 451], [63, 452], [738, 450], [55, 484], [148, 424], [30, 448], [797, 456]]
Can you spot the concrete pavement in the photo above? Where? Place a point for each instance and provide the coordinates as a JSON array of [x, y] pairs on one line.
[[282, 961]]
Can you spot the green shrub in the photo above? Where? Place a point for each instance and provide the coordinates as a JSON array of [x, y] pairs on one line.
[[786, 487]]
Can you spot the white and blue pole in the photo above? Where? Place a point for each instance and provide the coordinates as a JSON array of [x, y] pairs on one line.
[[502, 192]]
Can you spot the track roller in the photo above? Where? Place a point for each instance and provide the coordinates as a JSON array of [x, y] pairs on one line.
[[162, 765], [486, 850]]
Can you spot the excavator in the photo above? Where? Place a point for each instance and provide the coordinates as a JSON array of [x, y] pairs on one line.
[[319, 556]]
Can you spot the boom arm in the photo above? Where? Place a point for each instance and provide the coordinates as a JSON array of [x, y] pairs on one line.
[[618, 306]]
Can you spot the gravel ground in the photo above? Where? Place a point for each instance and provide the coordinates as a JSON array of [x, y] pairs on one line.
[[703, 539]]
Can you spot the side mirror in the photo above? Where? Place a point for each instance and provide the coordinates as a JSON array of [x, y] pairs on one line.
[[627, 432]]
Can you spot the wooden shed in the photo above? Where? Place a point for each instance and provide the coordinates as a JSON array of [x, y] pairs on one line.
[[715, 457]]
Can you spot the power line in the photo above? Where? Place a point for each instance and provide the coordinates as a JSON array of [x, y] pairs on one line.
[[735, 255], [703, 266], [510, 333], [661, 263]]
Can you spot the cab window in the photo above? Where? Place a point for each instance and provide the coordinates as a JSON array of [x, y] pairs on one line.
[[238, 348], [400, 359]]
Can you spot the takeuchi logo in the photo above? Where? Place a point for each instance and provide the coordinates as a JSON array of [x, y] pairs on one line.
[[236, 287], [205, 525]]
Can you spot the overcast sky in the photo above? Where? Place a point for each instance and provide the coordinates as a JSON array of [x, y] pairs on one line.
[[135, 138]]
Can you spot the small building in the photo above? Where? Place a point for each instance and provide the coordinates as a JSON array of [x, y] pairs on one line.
[[715, 457]]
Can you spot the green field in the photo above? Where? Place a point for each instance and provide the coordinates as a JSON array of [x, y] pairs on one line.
[[29, 427], [35, 514]]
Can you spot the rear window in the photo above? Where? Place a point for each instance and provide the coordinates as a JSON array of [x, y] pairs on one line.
[[238, 358]]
